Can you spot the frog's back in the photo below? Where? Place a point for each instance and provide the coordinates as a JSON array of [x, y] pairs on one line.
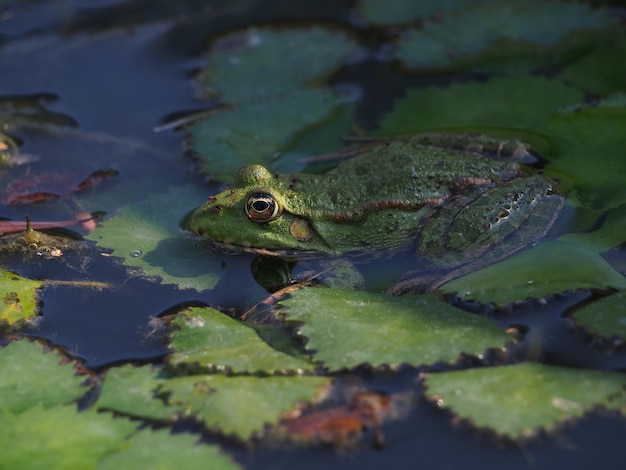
[[404, 171]]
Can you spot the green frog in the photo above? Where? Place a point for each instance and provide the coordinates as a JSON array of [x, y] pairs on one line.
[[452, 200]]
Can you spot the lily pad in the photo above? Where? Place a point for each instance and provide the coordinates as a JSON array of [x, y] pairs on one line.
[[611, 234], [523, 103], [133, 391], [165, 451], [590, 142], [242, 405], [385, 13], [549, 268], [517, 401], [345, 329], [605, 317], [31, 378], [19, 297], [234, 138], [34, 440], [259, 63], [602, 71], [496, 28], [211, 340], [147, 236]]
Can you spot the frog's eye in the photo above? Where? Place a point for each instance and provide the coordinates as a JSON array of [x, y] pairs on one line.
[[262, 208]]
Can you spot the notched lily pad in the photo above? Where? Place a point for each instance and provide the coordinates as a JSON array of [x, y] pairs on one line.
[[242, 405], [605, 317], [345, 329], [146, 235], [262, 62], [211, 340], [35, 436], [31, 378], [230, 139], [162, 450], [19, 297], [519, 400], [487, 30], [549, 268]]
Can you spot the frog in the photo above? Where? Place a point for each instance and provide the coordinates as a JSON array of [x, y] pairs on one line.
[[458, 203]]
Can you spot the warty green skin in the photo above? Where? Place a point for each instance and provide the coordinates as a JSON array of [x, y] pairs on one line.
[[454, 206]]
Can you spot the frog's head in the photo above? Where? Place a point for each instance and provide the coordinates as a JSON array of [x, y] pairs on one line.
[[260, 214]]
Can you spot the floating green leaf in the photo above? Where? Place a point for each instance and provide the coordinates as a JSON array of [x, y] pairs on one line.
[[485, 26], [146, 236], [385, 13], [605, 317], [234, 138], [602, 71], [59, 438], [611, 234], [345, 329], [262, 62], [242, 405], [523, 103], [549, 268], [165, 451], [31, 378], [209, 339], [591, 143], [518, 400], [19, 297], [133, 391]]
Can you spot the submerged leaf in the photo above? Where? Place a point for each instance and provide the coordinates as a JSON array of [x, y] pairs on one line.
[[549, 268], [345, 329], [242, 405], [211, 340], [605, 317], [147, 236], [611, 234], [19, 297], [31, 378], [518, 400]]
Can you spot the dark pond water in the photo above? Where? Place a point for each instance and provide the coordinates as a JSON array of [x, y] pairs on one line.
[[122, 68]]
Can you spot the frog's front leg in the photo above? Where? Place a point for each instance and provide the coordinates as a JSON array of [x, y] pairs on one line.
[[479, 228]]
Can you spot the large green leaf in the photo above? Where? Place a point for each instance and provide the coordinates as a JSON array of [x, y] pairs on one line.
[[161, 450], [59, 438], [147, 236], [234, 138], [31, 378], [242, 405], [19, 297], [549, 268], [605, 317], [496, 28], [261, 62], [345, 329], [518, 400], [212, 340], [520, 103]]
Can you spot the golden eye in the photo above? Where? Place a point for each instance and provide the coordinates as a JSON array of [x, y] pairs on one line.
[[262, 208]]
